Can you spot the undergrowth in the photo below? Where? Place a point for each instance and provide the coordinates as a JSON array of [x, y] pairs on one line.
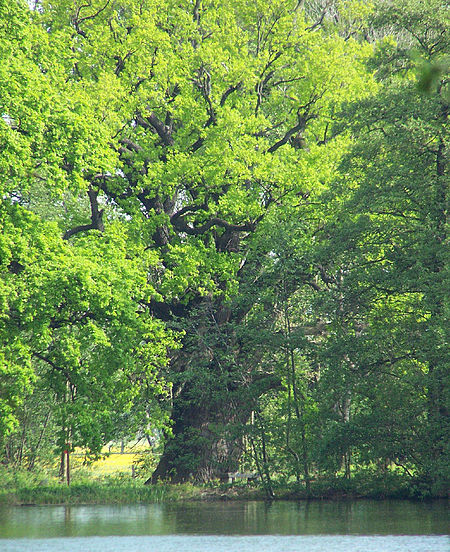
[[18, 487]]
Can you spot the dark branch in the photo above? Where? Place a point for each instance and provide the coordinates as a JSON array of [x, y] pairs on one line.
[[186, 209], [96, 217], [196, 13], [130, 144], [15, 267], [152, 122], [52, 364], [55, 324], [313, 285], [211, 112], [304, 115], [326, 278], [120, 62], [319, 21], [229, 91], [181, 225], [92, 16], [262, 83], [77, 20], [289, 134]]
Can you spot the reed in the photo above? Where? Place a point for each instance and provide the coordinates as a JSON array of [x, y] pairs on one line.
[[21, 487], [94, 493]]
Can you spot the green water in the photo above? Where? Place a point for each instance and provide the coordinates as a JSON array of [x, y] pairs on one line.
[[245, 526]]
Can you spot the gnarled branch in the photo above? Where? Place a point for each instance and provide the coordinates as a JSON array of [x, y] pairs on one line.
[[181, 225], [289, 134], [96, 217], [152, 122]]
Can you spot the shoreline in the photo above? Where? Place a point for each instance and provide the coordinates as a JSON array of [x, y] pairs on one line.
[[127, 494]]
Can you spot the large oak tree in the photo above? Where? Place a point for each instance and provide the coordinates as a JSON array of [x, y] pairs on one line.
[[190, 122]]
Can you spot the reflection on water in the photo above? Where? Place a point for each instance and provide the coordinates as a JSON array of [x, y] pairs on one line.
[[364, 517]]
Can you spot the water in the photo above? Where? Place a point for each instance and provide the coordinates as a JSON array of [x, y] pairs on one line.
[[350, 526], [231, 544]]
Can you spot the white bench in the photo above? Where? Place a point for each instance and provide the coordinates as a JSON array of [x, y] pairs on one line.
[[236, 476]]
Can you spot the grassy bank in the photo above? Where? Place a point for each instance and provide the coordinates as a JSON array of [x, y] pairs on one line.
[[19, 488], [93, 493], [121, 493]]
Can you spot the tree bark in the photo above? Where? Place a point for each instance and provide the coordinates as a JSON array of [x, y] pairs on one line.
[[200, 449], [215, 390]]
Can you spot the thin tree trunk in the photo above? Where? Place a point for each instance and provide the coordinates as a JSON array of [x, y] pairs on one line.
[[265, 459], [298, 413], [32, 460], [22, 441], [68, 466], [62, 464], [288, 423]]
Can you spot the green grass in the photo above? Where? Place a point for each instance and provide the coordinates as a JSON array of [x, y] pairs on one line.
[[94, 493], [22, 487], [27, 488]]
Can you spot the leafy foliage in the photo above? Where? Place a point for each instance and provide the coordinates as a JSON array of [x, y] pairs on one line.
[[231, 214]]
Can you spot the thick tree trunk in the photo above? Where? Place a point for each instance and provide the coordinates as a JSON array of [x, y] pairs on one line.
[[216, 386], [206, 442]]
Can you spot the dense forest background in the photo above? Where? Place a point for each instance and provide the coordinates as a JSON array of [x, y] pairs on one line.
[[224, 226]]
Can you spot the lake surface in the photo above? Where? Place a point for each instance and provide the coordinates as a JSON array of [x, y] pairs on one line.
[[247, 526]]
